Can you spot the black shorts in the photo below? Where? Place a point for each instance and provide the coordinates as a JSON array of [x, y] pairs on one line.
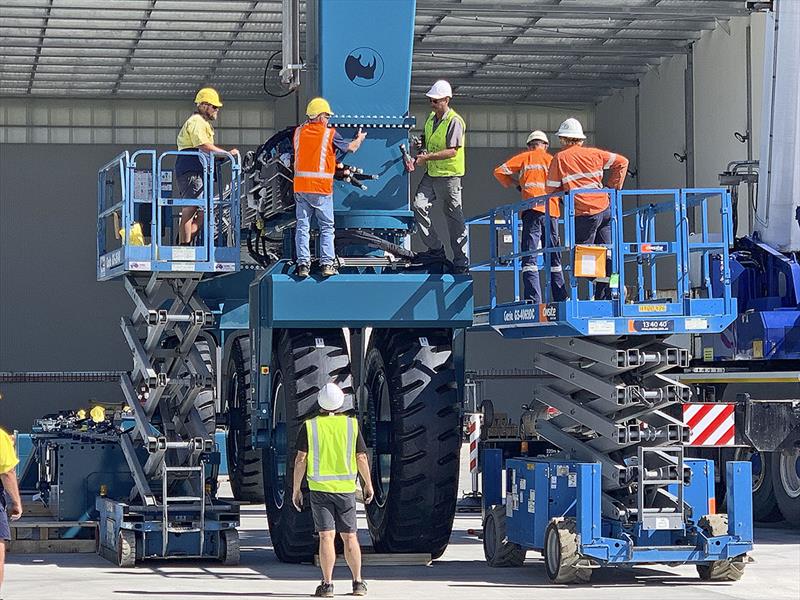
[[334, 512], [190, 185], [5, 530]]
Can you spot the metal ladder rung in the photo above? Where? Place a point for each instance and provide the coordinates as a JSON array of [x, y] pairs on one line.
[[185, 469], [174, 499]]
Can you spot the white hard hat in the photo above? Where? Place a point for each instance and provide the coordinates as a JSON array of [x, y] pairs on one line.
[[571, 128], [440, 89], [331, 397], [537, 135]]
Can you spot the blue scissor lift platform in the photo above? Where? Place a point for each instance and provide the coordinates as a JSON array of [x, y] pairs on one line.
[[171, 510], [620, 491]]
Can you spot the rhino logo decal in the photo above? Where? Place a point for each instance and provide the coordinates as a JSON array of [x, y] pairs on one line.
[[364, 66]]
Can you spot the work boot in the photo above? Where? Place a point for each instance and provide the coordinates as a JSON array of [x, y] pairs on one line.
[[461, 270], [328, 270], [324, 590], [359, 588], [302, 271]]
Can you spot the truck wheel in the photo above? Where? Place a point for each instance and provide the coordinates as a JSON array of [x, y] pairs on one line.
[[418, 479], [244, 461], [561, 553], [765, 506], [497, 550], [786, 484], [720, 570], [303, 362]]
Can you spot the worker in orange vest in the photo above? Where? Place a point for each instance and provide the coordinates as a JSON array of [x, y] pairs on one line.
[[528, 172], [315, 147], [577, 167]]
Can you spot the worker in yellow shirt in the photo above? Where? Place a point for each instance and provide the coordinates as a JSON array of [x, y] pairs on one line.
[[10, 489], [197, 133]]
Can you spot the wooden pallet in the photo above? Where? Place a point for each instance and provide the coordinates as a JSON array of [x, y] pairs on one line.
[[30, 535], [371, 558]]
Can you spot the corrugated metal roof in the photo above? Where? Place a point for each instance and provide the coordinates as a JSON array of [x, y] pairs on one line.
[[544, 51]]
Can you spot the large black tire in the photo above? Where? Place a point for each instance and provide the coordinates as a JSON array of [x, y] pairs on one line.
[[244, 461], [720, 570], [414, 507], [786, 484], [497, 550], [303, 362]]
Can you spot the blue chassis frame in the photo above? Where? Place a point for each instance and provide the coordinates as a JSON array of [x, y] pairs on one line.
[[602, 539]]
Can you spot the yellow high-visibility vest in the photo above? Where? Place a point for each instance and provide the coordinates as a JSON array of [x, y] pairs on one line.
[[332, 454], [437, 140]]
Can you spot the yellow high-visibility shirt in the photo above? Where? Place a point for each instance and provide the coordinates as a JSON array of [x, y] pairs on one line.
[[195, 132], [8, 456]]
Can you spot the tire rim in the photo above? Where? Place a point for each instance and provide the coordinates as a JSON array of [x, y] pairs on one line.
[[553, 556], [378, 390], [236, 421], [758, 470], [790, 473], [278, 449]]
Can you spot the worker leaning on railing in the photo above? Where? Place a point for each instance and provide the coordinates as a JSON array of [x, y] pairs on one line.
[[577, 167], [197, 133], [528, 172]]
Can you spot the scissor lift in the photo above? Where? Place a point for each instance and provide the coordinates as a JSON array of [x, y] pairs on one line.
[[172, 510], [620, 491]]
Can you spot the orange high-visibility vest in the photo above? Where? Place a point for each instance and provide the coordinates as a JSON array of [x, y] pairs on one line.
[[314, 159], [530, 170], [577, 167]]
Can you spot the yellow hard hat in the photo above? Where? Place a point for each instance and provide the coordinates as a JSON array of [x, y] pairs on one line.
[[209, 96], [98, 414], [317, 106]]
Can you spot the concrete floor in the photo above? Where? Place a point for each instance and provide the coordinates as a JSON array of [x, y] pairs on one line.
[[460, 573]]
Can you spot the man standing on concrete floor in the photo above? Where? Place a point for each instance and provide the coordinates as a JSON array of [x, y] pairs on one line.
[[331, 452], [577, 167], [443, 157], [528, 171], [8, 486]]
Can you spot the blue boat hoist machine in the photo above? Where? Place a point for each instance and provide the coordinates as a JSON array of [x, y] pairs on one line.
[[609, 484]]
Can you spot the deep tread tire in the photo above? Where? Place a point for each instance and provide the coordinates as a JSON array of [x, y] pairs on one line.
[[304, 361], [244, 462], [229, 550], [497, 550], [561, 553], [786, 485], [126, 549], [418, 511], [720, 570]]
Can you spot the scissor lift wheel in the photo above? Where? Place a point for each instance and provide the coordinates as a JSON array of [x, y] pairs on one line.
[[561, 553], [126, 548], [229, 551], [720, 570], [499, 552]]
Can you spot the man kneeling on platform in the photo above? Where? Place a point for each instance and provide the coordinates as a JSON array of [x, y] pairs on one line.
[[331, 452]]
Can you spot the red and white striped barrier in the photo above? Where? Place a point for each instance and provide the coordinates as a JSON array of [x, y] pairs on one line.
[[474, 436], [710, 424]]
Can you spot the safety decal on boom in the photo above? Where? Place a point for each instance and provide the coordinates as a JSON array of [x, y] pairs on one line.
[[710, 424]]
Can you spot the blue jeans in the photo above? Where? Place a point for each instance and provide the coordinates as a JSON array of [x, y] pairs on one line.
[[533, 230], [320, 206], [596, 229]]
